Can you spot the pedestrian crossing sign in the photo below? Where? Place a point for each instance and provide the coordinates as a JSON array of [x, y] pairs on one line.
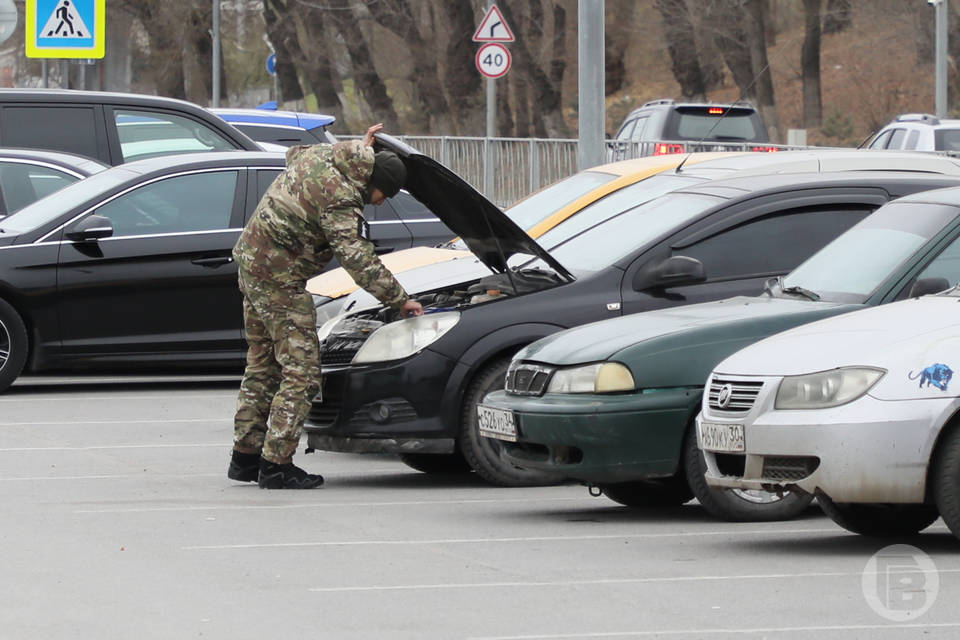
[[66, 28]]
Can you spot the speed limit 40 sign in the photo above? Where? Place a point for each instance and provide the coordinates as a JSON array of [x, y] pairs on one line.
[[493, 60]]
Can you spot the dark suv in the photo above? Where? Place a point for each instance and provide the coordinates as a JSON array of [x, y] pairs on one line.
[[112, 127], [664, 126]]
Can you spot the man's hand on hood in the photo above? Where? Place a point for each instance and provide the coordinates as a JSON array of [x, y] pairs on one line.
[[368, 138]]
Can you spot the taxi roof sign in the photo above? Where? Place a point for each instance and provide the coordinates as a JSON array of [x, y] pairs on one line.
[[493, 28], [66, 28]]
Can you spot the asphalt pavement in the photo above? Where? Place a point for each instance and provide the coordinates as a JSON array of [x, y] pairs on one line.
[[119, 521]]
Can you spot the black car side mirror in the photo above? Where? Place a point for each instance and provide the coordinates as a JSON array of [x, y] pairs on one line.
[[672, 272], [924, 286], [91, 228]]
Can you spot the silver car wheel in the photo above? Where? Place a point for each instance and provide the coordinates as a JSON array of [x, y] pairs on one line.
[[4, 345], [759, 497]]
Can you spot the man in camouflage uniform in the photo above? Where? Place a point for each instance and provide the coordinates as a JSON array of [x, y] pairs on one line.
[[309, 215]]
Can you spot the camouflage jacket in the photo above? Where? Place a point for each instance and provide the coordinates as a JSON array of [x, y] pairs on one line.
[[312, 213]]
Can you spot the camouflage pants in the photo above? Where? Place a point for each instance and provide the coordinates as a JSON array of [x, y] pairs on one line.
[[283, 369]]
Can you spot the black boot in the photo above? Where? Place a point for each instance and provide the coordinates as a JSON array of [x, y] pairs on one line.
[[286, 476], [244, 467]]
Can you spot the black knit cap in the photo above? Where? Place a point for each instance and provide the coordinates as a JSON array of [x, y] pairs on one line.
[[389, 173]]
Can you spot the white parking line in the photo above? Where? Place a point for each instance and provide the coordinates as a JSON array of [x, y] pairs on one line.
[[614, 536], [599, 581], [699, 633], [78, 422], [117, 446], [324, 505]]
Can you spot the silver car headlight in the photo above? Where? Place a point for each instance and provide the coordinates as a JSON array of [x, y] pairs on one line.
[[406, 337], [827, 388], [602, 377]]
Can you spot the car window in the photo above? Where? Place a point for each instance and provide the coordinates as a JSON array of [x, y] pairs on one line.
[[947, 139], [946, 265], [410, 208], [787, 239], [144, 134], [851, 267], [265, 178], [287, 136], [23, 184], [61, 202], [896, 140], [698, 123], [71, 129], [547, 201], [880, 142], [625, 130], [196, 202], [613, 204], [912, 140], [637, 134], [608, 242]]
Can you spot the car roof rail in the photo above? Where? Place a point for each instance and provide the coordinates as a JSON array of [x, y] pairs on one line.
[[654, 103], [926, 118]]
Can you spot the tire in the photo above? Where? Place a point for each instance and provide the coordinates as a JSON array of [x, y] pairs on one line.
[[880, 520], [737, 505], [483, 454], [668, 492], [436, 463], [945, 480], [13, 345]]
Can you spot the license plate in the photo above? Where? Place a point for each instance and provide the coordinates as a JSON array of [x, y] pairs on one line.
[[721, 437], [496, 423]]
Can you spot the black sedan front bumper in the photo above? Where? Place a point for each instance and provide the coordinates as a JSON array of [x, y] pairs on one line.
[[405, 406]]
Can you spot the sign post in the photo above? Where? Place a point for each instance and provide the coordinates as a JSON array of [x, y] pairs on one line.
[[493, 61], [66, 28]]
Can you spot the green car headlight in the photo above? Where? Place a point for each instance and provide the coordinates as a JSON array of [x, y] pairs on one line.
[[602, 377], [827, 388], [406, 337]]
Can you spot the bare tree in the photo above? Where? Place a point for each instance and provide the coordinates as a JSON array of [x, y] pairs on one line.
[[810, 65], [283, 38], [766, 103], [838, 17], [460, 77], [619, 27], [681, 44], [726, 19]]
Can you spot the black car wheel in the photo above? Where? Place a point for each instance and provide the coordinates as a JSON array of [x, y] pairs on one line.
[[13, 345], [736, 505], [436, 462], [668, 492], [945, 479], [482, 453], [880, 520]]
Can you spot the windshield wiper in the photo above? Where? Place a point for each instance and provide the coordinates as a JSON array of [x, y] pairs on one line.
[[798, 290]]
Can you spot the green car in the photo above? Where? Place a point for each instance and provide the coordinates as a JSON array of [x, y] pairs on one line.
[[613, 403]]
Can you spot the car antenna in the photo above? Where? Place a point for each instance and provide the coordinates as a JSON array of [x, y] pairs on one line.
[[739, 100]]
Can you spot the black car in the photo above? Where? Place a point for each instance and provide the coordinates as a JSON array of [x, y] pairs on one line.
[[132, 267], [26, 175], [411, 386], [112, 127]]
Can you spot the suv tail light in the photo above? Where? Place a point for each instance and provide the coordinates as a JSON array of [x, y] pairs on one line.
[[765, 149], [662, 149]]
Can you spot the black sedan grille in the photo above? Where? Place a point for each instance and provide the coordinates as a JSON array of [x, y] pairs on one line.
[[733, 396], [786, 468], [337, 350], [526, 379]]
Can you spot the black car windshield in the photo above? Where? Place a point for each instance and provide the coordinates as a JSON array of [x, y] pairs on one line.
[[609, 206], [851, 267], [56, 204], [617, 235], [538, 206]]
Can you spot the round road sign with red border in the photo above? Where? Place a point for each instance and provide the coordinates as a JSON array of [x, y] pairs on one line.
[[493, 60]]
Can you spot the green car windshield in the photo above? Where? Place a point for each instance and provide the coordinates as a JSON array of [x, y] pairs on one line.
[[851, 267], [610, 228]]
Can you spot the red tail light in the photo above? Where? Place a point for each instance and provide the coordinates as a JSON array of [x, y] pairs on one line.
[[662, 149], [765, 149], [715, 111]]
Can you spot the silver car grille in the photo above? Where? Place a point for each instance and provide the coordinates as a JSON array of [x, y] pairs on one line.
[[525, 379], [732, 396]]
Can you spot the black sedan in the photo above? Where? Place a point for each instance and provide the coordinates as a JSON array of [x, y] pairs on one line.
[[411, 386]]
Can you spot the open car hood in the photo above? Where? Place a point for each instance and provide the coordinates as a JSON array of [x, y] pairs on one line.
[[487, 231]]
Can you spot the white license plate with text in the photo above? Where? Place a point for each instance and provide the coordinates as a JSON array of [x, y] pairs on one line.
[[722, 437], [496, 423]]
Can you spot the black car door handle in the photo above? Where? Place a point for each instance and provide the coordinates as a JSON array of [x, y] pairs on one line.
[[212, 262]]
